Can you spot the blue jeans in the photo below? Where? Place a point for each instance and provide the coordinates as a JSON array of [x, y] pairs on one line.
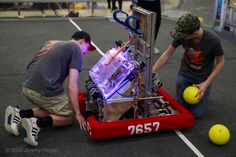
[[198, 110]]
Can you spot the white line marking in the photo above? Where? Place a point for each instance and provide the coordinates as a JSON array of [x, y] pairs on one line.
[[99, 50], [181, 136], [189, 144]]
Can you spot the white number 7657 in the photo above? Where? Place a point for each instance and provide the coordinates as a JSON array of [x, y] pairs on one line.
[[144, 128]]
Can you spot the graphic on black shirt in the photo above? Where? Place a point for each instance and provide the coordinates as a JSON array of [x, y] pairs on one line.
[[194, 57], [198, 59]]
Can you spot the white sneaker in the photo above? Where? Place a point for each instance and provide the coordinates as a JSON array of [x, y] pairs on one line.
[[12, 120], [156, 50], [31, 131]]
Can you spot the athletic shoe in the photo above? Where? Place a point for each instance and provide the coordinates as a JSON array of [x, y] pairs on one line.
[[156, 50], [12, 120], [31, 130]]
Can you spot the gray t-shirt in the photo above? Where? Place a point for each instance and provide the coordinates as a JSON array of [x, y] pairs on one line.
[[198, 60], [50, 66]]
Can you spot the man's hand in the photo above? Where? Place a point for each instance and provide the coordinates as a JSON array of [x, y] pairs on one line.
[[202, 89], [82, 122]]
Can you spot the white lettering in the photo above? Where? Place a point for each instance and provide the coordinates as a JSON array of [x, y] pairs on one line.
[[144, 128]]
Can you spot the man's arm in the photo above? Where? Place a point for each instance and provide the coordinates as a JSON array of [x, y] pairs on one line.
[[163, 58], [73, 95], [219, 65]]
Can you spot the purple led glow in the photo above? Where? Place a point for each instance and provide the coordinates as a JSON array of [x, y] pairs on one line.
[[109, 78]]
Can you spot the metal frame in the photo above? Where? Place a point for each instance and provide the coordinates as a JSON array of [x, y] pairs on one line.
[[148, 19], [230, 19], [143, 47]]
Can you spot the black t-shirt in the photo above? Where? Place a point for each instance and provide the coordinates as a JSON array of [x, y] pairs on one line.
[[50, 66], [198, 60]]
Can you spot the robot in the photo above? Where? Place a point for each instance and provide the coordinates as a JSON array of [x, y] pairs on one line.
[[122, 99]]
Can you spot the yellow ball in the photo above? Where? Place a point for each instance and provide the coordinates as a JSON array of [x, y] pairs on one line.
[[190, 95], [219, 134], [201, 20]]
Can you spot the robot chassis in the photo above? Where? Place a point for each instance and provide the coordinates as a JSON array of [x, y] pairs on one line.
[[121, 98]]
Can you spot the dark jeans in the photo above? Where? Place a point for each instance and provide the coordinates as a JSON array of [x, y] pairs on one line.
[[114, 4], [199, 109]]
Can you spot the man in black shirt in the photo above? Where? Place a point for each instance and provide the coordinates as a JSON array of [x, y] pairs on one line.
[[43, 86], [198, 67]]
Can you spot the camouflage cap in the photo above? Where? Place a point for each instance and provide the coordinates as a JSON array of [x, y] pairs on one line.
[[185, 25]]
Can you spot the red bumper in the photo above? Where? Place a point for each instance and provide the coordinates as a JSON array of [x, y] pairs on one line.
[[105, 130]]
